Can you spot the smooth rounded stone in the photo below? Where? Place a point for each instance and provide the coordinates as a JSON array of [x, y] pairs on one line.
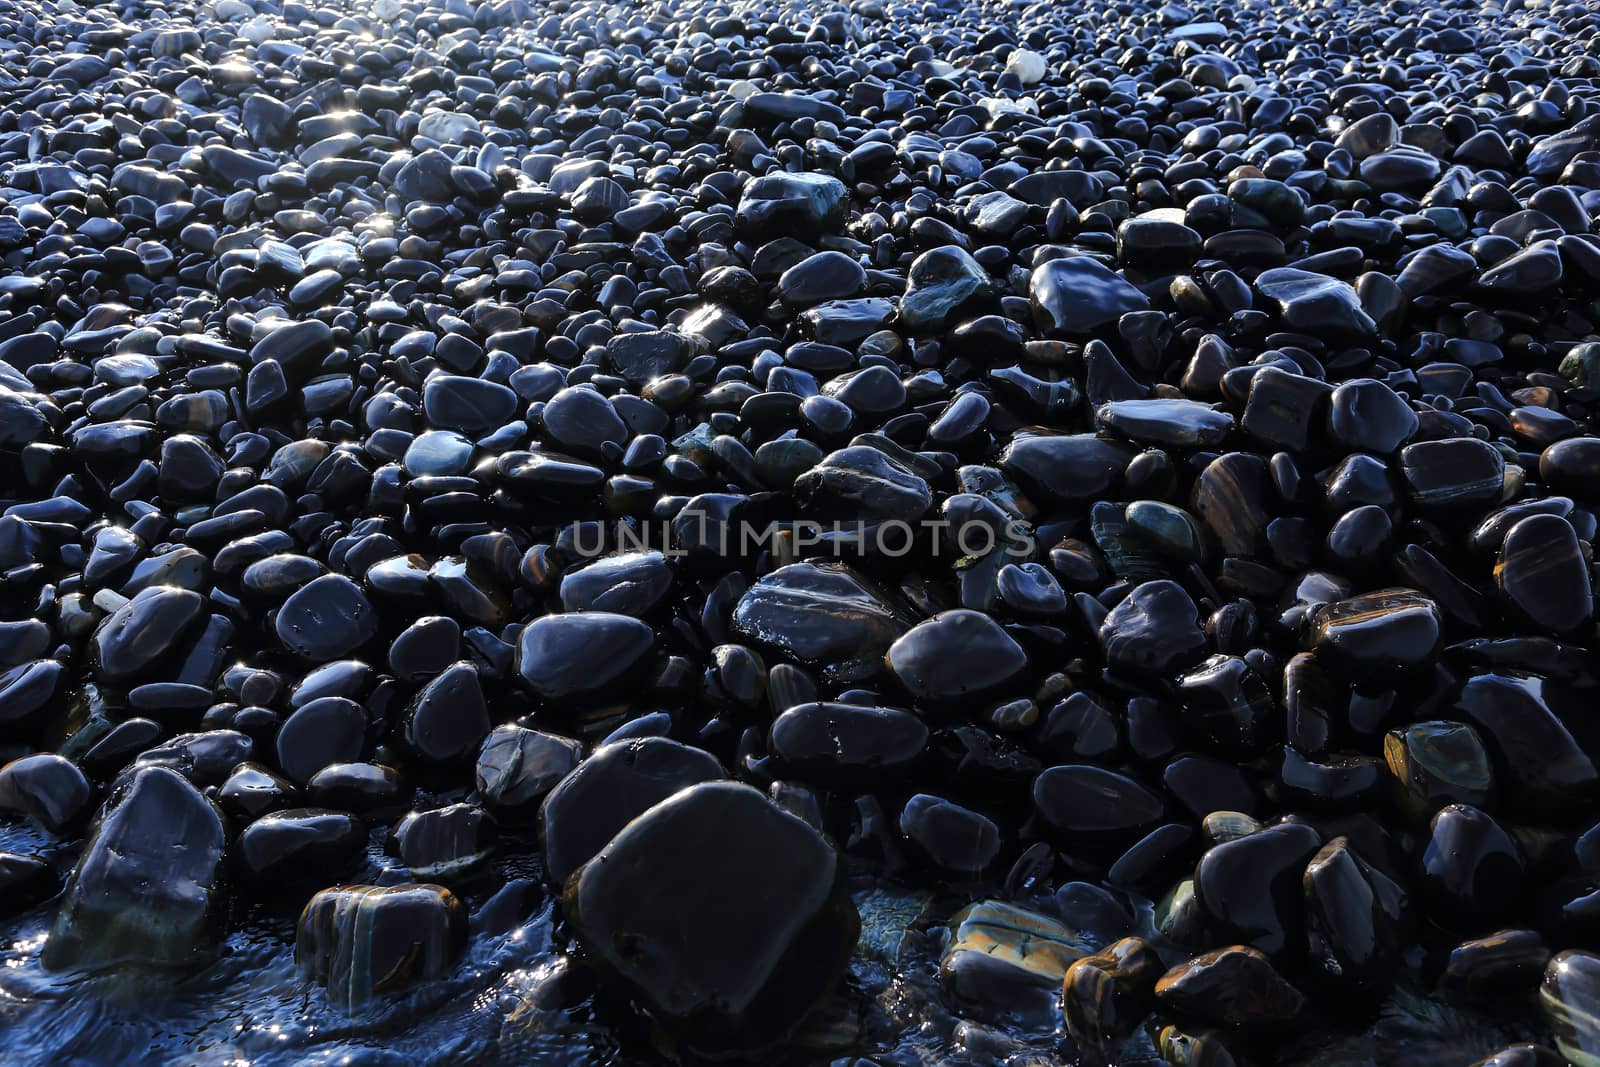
[[367, 789], [1153, 243], [516, 766], [297, 846], [1472, 870], [251, 791], [1315, 302], [1573, 467], [1169, 530], [863, 482], [426, 178], [847, 744], [1273, 201], [146, 890], [1502, 961], [364, 941], [1542, 575], [1385, 631], [819, 278], [799, 205], [21, 641], [642, 356], [583, 422], [1029, 66], [581, 655], [952, 839], [1370, 135], [939, 283], [296, 347], [443, 843], [50, 790], [1153, 630], [1095, 806], [204, 758], [599, 198], [1227, 707], [188, 471], [1230, 498], [1438, 763], [470, 406], [1355, 914], [1400, 167], [631, 583], [995, 214], [608, 790], [825, 614], [446, 127], [1567, 999], [1524, 274], [1030, 590], [1007, 964], [321, 732], [145, 631], [1250, 887], [955, 657], [1078, 295], [1166, 423], [1367, 416], [114, 549], [873, 391], [550, 474], [1066, 468], [437, 452], [279, 575], [425, 648], [1434, 267], [1462, 474], [28, 691], [1105, 996], [1537, 731], [780, 462], [1282, 409], [326, 619], [725, 916], [449, 717], [1233, 986], [1177, 916]]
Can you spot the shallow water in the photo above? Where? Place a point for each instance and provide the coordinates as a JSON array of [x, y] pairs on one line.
[[250, 1008]]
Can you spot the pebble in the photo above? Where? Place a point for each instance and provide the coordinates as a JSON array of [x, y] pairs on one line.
[[1232, 986], [149, 882], [756, 891], [607, 791], [547, 444], [1567, 999], [571, 657], [363, 941], [954, 657]]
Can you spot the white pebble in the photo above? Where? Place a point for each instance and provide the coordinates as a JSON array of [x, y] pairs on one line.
[[109, 600], [258, 30], [1027, 66]]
